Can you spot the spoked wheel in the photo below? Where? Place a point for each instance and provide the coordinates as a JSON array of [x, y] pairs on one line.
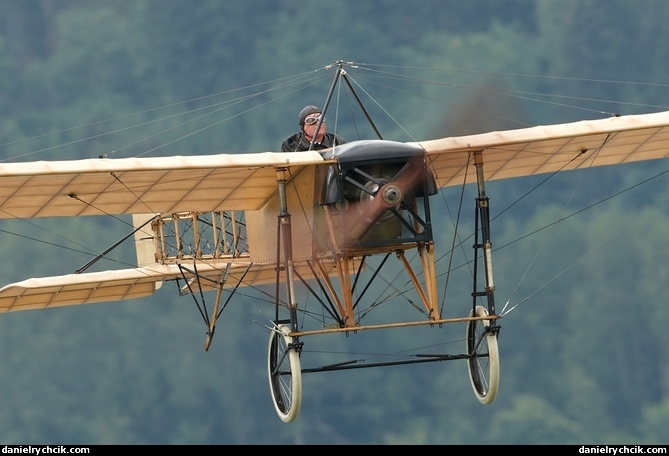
[[482, 357], [285, 374]]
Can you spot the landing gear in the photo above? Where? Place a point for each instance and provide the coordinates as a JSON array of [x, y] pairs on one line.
[[482, 357], [285, 375], [481, 350]]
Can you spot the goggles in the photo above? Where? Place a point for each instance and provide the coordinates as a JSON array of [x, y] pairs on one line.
[[313, 120]]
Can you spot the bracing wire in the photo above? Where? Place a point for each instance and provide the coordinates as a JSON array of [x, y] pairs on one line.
[[277, 88]]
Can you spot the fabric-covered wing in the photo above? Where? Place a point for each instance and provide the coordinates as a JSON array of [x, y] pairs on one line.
[[104, 286], [70, 289], [127, 186], [143, 185], [547, 149]]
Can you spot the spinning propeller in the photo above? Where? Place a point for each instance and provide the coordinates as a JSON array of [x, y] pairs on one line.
[[380, 198]]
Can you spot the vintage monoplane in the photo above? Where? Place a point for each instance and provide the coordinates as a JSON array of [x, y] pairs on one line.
[[322, 223]]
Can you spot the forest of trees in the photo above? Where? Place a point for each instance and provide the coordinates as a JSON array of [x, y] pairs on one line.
[[584, 355]]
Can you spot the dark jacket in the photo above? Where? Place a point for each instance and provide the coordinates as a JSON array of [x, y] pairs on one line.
[[298, 142]]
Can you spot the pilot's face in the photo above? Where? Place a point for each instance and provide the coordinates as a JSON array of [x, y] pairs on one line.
[[310, 124]]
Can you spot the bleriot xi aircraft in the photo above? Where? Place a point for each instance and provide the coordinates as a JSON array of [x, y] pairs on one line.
[[316, 223]]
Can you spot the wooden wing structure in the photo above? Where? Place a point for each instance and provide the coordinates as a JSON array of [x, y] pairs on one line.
[[177, 187]]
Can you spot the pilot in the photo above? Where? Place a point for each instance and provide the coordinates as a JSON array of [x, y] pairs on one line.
[[308, 120]]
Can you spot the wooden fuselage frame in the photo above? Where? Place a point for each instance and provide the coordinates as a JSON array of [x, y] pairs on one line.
[[318, 247]]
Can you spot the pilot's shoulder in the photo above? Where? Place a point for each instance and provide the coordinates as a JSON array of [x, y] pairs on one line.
[[290, 143]]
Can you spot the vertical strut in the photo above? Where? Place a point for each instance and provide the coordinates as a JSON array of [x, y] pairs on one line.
[[287, 241], [483, 209]]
